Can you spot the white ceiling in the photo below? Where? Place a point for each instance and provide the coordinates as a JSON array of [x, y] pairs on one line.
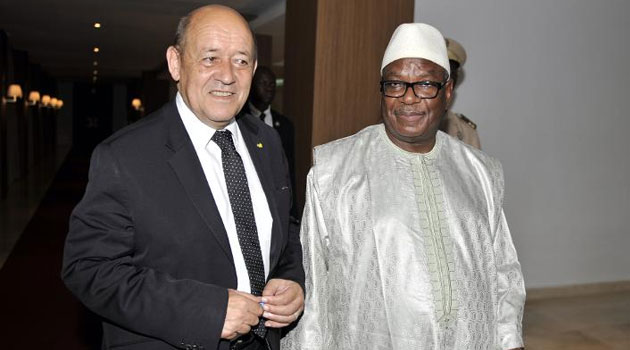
[[134, 35]]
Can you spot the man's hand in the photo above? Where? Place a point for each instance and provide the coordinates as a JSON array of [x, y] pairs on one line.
[[243, 312], [284, 302]]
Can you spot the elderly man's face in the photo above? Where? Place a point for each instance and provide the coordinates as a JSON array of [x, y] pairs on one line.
[[411, 122], [215, 66]]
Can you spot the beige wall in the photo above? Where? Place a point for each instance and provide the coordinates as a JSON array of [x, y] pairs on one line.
[[547, 84]]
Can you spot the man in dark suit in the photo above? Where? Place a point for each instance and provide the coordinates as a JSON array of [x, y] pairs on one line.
[[260, 97], [183, 237]]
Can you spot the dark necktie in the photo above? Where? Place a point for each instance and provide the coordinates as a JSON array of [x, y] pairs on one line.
[[241, 203], [262, 116]]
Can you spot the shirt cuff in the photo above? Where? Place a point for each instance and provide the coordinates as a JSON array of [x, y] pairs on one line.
[[511, 339]]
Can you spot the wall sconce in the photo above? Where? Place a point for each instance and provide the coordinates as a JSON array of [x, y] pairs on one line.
[[14, 92], [45, 100], [58, 105], [136, 104], [33, 98], [53, 102]]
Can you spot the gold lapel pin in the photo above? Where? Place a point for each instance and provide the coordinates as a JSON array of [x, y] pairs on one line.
[[259, 145]]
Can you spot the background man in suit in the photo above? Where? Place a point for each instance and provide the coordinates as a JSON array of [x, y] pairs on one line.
[[260, 97], [182, 239]]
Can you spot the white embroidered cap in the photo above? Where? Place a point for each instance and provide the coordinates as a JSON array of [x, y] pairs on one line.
[[416, 40]]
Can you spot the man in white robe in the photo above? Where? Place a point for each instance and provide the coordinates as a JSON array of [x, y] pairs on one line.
[[405, 242]]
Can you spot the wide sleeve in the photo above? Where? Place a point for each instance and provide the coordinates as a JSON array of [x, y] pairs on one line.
[[310, 333], [100, 268], [511, 287]]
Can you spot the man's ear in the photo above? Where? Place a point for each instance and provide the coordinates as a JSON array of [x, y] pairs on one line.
[[448, 93], [174, 62]]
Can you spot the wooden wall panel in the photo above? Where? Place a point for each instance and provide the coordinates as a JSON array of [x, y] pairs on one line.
[[4, 69], [351, 38], [21, 68], [264, 44], [299, 75]]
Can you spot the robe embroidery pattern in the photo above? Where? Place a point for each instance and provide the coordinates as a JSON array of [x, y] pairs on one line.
[[437, 242]]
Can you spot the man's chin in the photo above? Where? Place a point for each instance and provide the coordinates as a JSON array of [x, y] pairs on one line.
[[415, 136], [219, 120]]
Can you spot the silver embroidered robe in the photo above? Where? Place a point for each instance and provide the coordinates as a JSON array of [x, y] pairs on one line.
[[407, 251]]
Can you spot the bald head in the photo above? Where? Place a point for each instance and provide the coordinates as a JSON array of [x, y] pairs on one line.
[[214, 13]]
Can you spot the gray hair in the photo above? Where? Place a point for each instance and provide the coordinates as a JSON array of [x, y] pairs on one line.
[[182, 26]]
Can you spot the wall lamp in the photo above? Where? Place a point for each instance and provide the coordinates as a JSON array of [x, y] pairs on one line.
[[14, 92], [33, 98], [136, 104], [45, 100]]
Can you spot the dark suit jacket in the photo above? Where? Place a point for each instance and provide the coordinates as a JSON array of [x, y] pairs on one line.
[[285, 129], [147, 249]]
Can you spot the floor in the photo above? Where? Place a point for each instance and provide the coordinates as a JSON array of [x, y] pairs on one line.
[[23, 199], [36, 309], [596, 322], [33, 301]]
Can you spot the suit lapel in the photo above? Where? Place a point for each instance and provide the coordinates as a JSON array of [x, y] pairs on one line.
[[185, 163], [260, 158], [274, 120]]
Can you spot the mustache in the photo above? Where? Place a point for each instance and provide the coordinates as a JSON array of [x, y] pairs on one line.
[[220, 86]]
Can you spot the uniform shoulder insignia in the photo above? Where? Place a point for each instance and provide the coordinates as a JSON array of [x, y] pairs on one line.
[[468, 121]]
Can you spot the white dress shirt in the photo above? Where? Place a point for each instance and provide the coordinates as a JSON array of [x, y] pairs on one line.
[[256, 113], [209, 155]]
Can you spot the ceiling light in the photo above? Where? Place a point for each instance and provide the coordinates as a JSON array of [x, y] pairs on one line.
[[95, 63], [95, 72], [96, 49], [97, 25]]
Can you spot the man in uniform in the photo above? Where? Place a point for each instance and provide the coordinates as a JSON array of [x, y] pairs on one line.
[[456, 124]]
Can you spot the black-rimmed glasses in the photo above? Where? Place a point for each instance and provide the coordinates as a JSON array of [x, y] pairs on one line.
[[422, 89]]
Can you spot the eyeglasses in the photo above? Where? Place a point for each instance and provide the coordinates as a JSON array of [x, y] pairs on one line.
[[422, 89]]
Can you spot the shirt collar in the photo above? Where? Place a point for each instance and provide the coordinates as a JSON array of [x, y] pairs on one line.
[[256, 112], [200, 133], [432, 154]]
